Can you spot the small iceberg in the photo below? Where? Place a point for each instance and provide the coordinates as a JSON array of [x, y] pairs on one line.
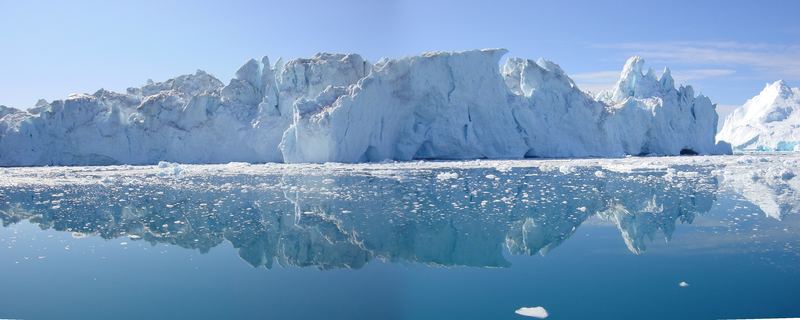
[[535, 312]]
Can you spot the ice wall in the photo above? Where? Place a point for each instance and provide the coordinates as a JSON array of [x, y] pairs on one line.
[[339, 107]]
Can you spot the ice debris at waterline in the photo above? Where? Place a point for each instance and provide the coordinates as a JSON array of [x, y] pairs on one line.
[[768, 122], [342, 108]]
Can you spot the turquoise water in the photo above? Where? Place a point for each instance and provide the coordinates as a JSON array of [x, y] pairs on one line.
[[395, 243]]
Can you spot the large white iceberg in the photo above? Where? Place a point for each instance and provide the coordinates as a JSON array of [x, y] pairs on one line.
[[339, 107], [769, 121]]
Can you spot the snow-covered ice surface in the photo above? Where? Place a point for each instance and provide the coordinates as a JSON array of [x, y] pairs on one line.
[[339, 107], [768, 122]]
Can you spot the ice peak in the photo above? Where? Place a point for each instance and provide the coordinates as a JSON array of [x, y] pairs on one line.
[[632, 70], [327, 56], [770, 96], [666, 79], [6, 110], [279, 64], [248, 71], [495, 53], [254, 73], [777, 89], [265, 62], [774, 96], [650, 73], [550, 66], [499, 52], [780, 83], [633, 83], [634, 64], [201, 72]]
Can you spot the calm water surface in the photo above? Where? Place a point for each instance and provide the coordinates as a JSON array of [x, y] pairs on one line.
[[600, 239]]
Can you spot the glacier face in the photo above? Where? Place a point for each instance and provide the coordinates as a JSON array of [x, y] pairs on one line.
[[768, 122], [340, 107]]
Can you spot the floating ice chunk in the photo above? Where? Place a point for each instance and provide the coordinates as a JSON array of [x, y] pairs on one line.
[[670, 175], [446, 176], [169, 168], [566, 169], [107, 180], [503, 167], [599, 174], [683, 284], [238, 164], [534, 312]]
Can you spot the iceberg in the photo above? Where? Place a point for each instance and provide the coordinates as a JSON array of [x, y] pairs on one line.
[[534, 312], [768, 122], [342, 108]]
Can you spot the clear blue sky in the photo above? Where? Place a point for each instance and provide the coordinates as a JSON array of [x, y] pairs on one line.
[[727, 49]]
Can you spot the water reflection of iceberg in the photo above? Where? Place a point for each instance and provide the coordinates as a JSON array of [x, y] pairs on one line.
[[773, 186], [346, 218]]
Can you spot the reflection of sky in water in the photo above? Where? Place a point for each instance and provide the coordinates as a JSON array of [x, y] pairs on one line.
[[429, 242]]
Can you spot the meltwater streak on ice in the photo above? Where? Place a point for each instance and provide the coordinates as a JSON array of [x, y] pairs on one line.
[[435, 213], [339, 107]]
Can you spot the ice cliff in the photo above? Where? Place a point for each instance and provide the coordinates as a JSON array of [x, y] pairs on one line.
[[769, 121], [339, 107]]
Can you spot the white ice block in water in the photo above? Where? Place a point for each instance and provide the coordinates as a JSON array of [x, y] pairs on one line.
[[534, 312]]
